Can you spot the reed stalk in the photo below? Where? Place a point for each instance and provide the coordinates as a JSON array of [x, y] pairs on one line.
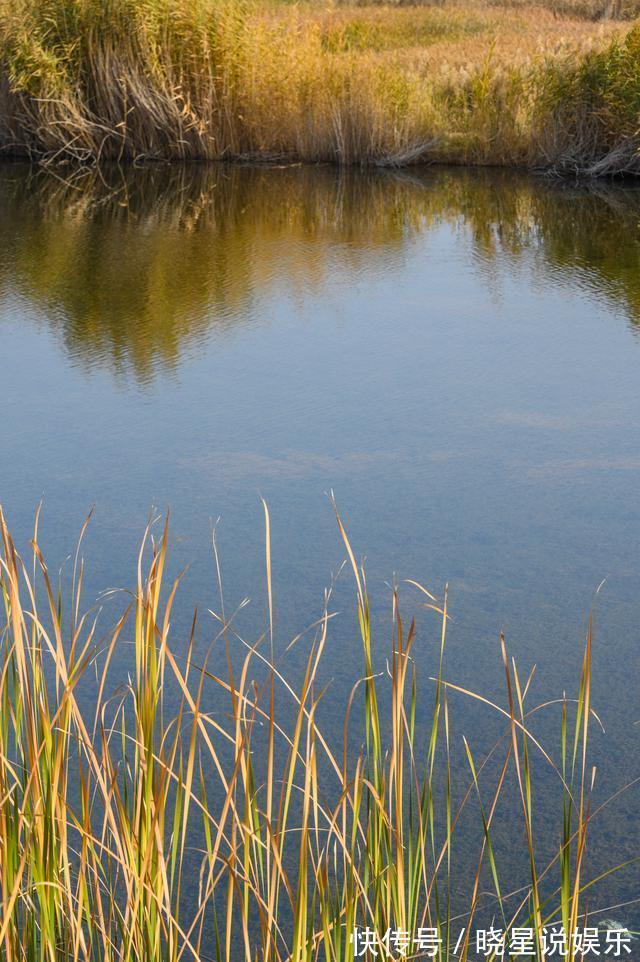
[[298, 841]]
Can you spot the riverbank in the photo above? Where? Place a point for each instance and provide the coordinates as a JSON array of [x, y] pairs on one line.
[[531, 87]]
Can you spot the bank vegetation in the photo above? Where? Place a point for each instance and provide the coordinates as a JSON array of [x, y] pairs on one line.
[[554, 86]]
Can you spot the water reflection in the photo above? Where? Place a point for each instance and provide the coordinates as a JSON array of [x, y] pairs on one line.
[[133, 268], [430, 345]]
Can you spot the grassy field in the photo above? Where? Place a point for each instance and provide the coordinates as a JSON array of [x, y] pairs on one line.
[[142, 823], [552, 86]]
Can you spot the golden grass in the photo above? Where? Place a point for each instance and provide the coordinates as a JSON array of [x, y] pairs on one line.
[[211, 79], [442, 36], [297, 840]]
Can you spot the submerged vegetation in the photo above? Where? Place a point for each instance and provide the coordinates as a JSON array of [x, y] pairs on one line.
[[553, 86], [144, 823]]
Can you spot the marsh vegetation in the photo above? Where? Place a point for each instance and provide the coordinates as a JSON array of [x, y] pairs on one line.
[[552, 86], [144, 823]]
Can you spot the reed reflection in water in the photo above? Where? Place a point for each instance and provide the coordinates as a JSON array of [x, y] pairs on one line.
[[134, 267]]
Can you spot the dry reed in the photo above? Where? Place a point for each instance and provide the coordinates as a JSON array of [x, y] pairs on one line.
[[88, 81], [299, 841]]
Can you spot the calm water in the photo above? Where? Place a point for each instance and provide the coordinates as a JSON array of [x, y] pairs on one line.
[[455, 355]]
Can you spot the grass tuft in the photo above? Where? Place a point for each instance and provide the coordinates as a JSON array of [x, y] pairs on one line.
[[134, 831]]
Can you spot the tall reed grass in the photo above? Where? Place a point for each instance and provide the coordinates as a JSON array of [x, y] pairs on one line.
[[132, 831], [88, 81]]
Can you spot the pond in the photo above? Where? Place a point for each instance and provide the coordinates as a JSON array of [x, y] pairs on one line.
[[455, 355]]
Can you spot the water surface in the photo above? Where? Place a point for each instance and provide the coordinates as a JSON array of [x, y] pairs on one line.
[[454, 354]]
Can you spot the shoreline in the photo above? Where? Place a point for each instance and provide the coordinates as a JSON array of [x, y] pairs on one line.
[[549, 175]]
